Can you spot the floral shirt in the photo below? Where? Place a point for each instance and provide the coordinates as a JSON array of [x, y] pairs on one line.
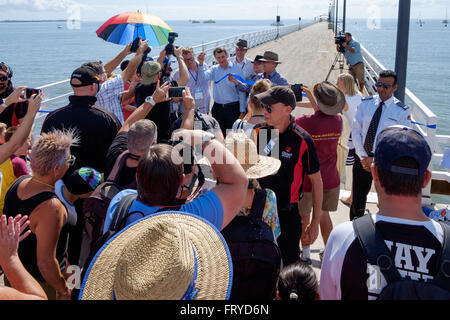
[[270, 214]]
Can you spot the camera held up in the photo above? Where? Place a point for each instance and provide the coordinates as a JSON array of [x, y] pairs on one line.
[[170, 47]]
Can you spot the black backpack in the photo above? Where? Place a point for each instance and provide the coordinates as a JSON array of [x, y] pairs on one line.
[[255, 255], [96, 205], [399, 288]]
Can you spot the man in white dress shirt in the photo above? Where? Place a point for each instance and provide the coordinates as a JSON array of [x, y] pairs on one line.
[[375, 114]]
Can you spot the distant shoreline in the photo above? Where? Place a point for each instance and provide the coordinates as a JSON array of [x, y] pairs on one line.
[[15, 21]]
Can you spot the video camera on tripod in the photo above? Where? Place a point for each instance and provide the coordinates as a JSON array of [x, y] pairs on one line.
[[340, 39]]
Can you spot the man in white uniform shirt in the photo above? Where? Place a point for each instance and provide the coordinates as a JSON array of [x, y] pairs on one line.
[[374, 114]]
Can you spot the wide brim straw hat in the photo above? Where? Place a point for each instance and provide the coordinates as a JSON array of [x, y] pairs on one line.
[[165, 256], [244, 149], [330, 99]]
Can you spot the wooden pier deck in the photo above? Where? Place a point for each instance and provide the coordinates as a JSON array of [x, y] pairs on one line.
[[307, 56]]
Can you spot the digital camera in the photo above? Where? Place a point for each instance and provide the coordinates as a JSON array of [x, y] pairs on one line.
[[169, 48]]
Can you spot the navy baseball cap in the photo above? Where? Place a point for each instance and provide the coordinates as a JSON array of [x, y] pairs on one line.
[[399, 141]]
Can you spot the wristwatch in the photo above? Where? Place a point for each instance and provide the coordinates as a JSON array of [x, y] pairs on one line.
[[207, 136], [2, 103], [150, 100]]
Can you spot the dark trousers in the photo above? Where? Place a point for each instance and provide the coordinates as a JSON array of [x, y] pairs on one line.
[[226, 115], [291, 232], [362, 181]]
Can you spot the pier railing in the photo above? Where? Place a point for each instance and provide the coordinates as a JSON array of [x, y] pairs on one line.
[[56, 93], [424, 120]]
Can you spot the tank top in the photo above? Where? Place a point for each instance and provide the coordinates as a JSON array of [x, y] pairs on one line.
[[27, 247]]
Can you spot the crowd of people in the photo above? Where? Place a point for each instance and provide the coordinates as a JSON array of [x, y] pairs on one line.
[[211, 195]]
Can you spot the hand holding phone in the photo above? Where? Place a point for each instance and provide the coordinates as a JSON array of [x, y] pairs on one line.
[[135, 45], [29, 92], [176, 92]]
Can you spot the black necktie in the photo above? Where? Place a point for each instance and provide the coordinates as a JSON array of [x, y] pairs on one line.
[[372, 131]]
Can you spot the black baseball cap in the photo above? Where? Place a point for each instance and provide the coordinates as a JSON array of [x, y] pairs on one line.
[[278, 94], [86, 75], [399, 141], [258, 58]]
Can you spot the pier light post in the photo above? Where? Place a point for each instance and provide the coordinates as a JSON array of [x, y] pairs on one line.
[[401, 55], [344, 14], [336, 17]]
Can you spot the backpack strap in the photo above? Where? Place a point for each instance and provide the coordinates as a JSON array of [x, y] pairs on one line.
[[121, 212], [374, 247], [258, 204], [443, 261], [118, 165]]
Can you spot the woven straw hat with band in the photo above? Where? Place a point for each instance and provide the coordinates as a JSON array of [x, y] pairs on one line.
[[245, 151], [165, 256]]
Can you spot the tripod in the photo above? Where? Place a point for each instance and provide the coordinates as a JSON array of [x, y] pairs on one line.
[[339, 58]]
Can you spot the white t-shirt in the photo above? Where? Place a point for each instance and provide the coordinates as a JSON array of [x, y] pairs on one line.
[[346, 274], [353, 104]]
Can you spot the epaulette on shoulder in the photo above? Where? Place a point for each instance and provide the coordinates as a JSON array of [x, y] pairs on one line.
[[367, 98], [402, 105]]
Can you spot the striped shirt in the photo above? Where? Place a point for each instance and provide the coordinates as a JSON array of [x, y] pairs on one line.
[[109, 98]]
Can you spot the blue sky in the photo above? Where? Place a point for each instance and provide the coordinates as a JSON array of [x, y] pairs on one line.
[[100, 10]]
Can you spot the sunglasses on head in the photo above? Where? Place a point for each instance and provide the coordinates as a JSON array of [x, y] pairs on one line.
[[3, 78], [384, 85], [71, 160]]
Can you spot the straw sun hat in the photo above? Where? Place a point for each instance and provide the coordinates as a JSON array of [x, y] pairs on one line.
[[166, 256], [245, 151]]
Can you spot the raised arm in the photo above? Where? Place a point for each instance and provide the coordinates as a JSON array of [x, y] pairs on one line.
[[311, 103], [232, 188], [184, 73], [24, 286], [19, 137], [134, 63], [189, 106], [140, 113], [114, 63]]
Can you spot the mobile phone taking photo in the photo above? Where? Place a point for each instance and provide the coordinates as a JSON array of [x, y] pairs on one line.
[[135, 45], [298, 90], [29, 92], [176, 92]]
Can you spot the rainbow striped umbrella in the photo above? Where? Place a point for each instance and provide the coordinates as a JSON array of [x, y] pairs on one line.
[[125, 27]]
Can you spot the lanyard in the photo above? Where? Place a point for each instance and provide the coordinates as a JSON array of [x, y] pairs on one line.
[[193, 76]]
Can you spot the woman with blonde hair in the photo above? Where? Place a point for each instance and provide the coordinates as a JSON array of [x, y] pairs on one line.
[[255, 113], [43, 253], [346, 83]]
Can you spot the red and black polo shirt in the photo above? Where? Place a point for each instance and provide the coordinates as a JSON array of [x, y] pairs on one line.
[[297, 153]]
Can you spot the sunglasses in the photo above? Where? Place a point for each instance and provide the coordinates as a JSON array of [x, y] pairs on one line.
[[71, 160], [3, 78], [384, 85], [269, 108]]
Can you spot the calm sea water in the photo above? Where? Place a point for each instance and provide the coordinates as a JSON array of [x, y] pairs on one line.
[[40, 53]]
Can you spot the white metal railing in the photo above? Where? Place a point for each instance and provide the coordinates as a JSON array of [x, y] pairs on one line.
[[56, 93], [420, 113]]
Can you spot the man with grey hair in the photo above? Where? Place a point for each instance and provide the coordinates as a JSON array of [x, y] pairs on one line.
[[133, 140]]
